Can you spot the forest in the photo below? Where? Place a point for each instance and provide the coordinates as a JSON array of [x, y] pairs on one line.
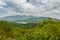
[[45, 30]]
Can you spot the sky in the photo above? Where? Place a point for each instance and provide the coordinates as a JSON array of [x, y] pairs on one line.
[[45, 8]]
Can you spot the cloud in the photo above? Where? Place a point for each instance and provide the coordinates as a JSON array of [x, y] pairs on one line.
[[47, 8], [2, 3]]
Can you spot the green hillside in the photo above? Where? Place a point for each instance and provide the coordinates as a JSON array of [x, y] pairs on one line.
[[44, 30]]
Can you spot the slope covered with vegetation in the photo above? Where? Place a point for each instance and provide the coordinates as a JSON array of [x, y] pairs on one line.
[[45, 30]]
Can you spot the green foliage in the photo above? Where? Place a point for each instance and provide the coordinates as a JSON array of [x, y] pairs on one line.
[[46, 30]]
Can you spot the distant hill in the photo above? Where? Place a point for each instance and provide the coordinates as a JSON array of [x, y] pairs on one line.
[[23, 18]]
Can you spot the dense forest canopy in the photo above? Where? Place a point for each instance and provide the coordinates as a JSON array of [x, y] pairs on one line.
[[45, 30]]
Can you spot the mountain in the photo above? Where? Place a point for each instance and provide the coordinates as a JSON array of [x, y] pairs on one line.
[[23, 18]]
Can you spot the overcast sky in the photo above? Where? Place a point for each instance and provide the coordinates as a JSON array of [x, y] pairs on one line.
[[47, 8]]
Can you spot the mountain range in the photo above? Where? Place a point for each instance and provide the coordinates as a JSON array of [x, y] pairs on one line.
[[23, 18]]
